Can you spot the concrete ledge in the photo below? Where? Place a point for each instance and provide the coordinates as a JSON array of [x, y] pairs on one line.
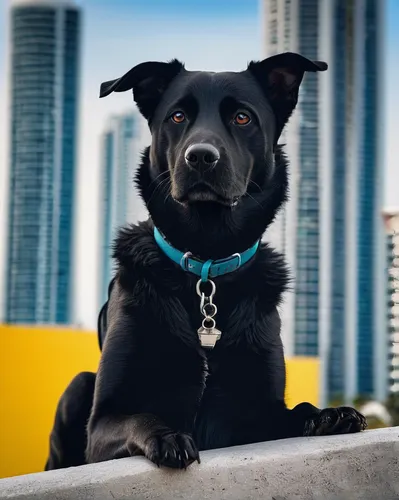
[[360, 466]]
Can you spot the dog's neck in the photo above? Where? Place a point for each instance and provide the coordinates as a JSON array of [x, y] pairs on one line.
[[207, 230], [204, 269]]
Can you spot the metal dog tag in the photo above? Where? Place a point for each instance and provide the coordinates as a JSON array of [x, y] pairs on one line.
[[208, 333], [209, 336]]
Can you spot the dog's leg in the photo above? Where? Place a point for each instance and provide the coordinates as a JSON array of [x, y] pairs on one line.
[[141, 434], [307, 420], [68, 437], [148, 388]]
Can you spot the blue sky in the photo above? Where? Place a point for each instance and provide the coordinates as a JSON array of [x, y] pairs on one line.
[[201, 8], [206, 34], [392, 102]]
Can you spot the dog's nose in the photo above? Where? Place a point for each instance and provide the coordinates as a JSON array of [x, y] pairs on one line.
[[204, 155]]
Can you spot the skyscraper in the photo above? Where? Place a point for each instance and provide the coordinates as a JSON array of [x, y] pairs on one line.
[[121, 146], [331, 230], [45, 39], [391, 219]]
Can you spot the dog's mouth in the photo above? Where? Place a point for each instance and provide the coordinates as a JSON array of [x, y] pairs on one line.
[[202, 193]]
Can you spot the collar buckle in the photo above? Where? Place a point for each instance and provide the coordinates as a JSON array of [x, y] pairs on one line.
[[227, 265], [184, 261], [238, 255]]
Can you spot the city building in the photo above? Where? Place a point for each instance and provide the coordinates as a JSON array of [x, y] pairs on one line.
[[391, 219], [120, 203], [44, 65], [331, 230]]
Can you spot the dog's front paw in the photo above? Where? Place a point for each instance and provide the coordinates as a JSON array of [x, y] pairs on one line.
[[174, 449], [341, 420]]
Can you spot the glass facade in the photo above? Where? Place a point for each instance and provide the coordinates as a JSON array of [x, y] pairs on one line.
[[307, 251], [118, 161], [107, 233], [336, 368], [354, 27], [369, 182], [67, 191], [392, 297], [44, 66], [346, 183]]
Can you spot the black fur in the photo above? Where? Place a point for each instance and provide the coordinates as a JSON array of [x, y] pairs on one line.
[[157, 392]]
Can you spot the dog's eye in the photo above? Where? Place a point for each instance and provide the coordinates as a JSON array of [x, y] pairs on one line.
[[241, 119], [178, 117]]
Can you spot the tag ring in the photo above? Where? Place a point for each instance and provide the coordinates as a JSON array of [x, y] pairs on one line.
[[211, 323], [210, 313], [198, 288]]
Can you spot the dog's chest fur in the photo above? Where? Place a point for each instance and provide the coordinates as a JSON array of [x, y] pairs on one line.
[[247, 357]]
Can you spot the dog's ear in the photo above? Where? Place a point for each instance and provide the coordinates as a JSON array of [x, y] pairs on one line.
[[148, 81], [280, 77]]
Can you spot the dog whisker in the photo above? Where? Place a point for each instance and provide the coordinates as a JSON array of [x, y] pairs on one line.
[[255, 184], [254, 199], [158, 187], [158, 176]]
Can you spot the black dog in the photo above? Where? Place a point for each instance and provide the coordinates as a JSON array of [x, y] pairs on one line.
[[213, 180]]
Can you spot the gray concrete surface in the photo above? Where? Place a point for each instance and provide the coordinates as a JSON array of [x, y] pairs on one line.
[[361, 466]]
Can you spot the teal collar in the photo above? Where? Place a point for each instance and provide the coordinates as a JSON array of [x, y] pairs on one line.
[[209, 268]]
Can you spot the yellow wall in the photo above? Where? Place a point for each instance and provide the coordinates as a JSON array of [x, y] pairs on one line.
[[37, 363]]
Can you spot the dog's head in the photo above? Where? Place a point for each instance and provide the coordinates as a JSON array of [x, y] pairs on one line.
[[213, 155]]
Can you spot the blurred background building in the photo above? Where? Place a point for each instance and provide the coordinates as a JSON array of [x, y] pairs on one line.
[[120, 202], [391, 220], [342, 321], [331, 230], [45, 46]]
